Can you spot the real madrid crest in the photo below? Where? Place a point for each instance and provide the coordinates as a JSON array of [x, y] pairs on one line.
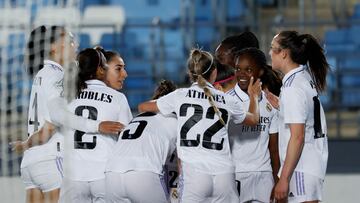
[[268, 107]]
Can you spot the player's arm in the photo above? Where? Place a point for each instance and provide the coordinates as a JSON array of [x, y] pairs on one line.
[[293, 153], [60, 116], [274, 159], [37, 138], [254, 90], [273, 99], [148, 106]]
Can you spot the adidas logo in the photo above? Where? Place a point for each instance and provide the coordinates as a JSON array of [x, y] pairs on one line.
[[291, 194]]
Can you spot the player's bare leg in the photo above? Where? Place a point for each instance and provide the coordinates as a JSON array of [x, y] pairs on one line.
[[52, 196], [34, 195]]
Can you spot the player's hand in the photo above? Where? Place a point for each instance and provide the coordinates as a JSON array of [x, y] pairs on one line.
[[254, 89], [272, 197], [273, 99], [18, 146], [110, 127], [281, 190]]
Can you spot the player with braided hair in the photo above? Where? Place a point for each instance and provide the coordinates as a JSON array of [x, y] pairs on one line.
[[207, 171]]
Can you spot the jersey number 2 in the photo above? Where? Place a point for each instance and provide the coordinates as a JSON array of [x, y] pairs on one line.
[[208, 134], [78, 143]]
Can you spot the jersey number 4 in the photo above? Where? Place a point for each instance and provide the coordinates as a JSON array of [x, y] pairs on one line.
[[35, 121], [92, 114], [208, 134]]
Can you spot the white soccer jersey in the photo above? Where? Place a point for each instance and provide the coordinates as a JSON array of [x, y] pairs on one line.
[[203, 142], [299, 103], [249, 144], [86, 154], [239, 94], [144, 144], [47, 84]]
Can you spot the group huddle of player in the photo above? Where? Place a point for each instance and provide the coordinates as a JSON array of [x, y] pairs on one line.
[[242, 131]]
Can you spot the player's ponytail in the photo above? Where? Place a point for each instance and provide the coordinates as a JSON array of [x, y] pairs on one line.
[[109, 55], [200, 65], [89, 60], [39, 46], [316, 60], [305, 50]]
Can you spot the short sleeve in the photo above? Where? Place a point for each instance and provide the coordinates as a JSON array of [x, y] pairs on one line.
[[125, 115], [237, 110], [293, 104], [274, 123], [167, 103]]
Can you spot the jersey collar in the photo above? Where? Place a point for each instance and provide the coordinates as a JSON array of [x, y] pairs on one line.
[[53, 64], [95, 82], [292, 72], [207, 84], [240, 93]]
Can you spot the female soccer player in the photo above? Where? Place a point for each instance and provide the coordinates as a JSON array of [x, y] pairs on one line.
[[303, 144], [255, 149], [202, 119], [225, 52], [41, 168], [134, 172], [86, 154]]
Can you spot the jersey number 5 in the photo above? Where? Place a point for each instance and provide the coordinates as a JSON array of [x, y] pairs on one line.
[[139, 129], [92, 114], [208, 134]]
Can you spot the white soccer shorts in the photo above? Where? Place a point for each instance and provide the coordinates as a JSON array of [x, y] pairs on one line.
[[305, 187], [255, 186], [135, 186], [45, 175], [82, 191], [199, 187]]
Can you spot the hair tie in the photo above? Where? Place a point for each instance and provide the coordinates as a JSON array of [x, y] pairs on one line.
[[224, 80], [212, 61]]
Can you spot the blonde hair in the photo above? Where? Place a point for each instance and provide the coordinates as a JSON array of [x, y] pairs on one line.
[[200, 65]]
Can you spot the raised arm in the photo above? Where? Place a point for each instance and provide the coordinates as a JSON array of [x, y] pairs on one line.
[[254, 90], [60, 116], [148, 106]]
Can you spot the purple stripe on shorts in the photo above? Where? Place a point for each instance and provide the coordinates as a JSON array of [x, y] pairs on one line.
[[61, 160], [303, 183], [59, 167], [297, 181], [163, 185]]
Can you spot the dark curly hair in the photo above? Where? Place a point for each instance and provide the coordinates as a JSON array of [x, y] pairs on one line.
[[164, 88]]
